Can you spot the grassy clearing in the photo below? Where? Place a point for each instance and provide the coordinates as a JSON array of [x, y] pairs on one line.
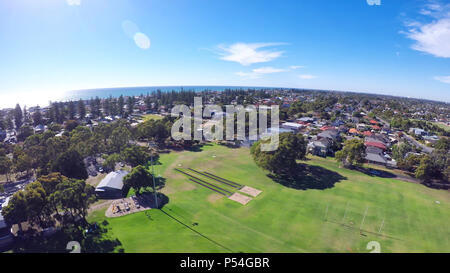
[[443, 126], [284, 219], [152, 116]]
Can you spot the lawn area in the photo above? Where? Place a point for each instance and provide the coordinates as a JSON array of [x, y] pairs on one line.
[[282, 218], [443, 126], [152, 116]]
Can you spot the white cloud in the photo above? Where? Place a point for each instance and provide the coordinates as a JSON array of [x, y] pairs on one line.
[[431, 37], [258, 72], [293, 67], [444, 79], [247, 54], [142, 40], [268, 70], [307, 77], [73, 2]]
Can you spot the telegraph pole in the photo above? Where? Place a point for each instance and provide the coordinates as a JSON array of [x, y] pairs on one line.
[[153, 176]]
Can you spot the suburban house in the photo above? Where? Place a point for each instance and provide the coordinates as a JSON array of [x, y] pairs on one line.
[[292, 126], [418, 132], [332, 134], [306, 119], [376, 145], [375, 155], [112, 185], [39, 129], [320, 147], [353, 131]]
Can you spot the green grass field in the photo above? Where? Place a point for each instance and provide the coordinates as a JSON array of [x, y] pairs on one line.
[[152, 116], [443, 126], [284, 219]]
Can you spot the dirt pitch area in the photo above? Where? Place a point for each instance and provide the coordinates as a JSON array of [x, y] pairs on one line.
[[250, 191], [121, 207], [240, 198]]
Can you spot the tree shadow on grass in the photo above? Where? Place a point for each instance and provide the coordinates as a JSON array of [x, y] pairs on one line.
[[148, 198], [306, 177], [96, 240], [376, 172]]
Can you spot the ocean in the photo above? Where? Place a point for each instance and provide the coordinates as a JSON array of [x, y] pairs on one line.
[[136, 91], [43, 98]]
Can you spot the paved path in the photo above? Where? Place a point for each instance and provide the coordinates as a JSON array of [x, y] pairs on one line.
[[424, 148]]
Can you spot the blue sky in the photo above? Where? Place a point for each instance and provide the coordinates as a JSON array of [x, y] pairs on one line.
[[401, 47]]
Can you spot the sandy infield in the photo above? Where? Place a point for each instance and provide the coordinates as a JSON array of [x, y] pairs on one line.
[[250, 191], [240, 198], [121, 207]]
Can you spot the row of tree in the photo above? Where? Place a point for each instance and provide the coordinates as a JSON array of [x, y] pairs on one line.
[[51, 199]]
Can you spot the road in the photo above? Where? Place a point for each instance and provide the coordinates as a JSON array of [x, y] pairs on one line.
[[424, 148]]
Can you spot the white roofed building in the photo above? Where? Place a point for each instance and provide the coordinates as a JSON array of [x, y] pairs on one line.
[[112, 185]]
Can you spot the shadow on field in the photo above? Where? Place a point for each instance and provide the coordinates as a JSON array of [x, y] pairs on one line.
[[149, 199], [96, 240], [377, 173], [308, 177]]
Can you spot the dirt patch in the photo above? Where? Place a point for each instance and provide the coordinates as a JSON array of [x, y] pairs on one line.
[[250, 191], [240, 198], [121, 207], [212, 198], [94, 180], [100, 205]]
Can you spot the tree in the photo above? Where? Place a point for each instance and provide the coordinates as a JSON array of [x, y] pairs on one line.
[[110, 162], [75, 196], [447, 174], [5, 167], [400, 150], [18, 116], [23, 163], [425, 170], [135, 155], [37, 116], [16, 210], [353, 154], [50, 197], [24, 132], [36, 200], [120, 105], [409, 163], [71, 164], [443, 144], [2, 188], [50, 181], [9, 120], [95, 106], [25, 114], [157, 130], [113, 106], [120, 138], [130, 105], [71, 110], [138, 178], [81, 109], [106, 107], [291, 147], [71, 124]]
